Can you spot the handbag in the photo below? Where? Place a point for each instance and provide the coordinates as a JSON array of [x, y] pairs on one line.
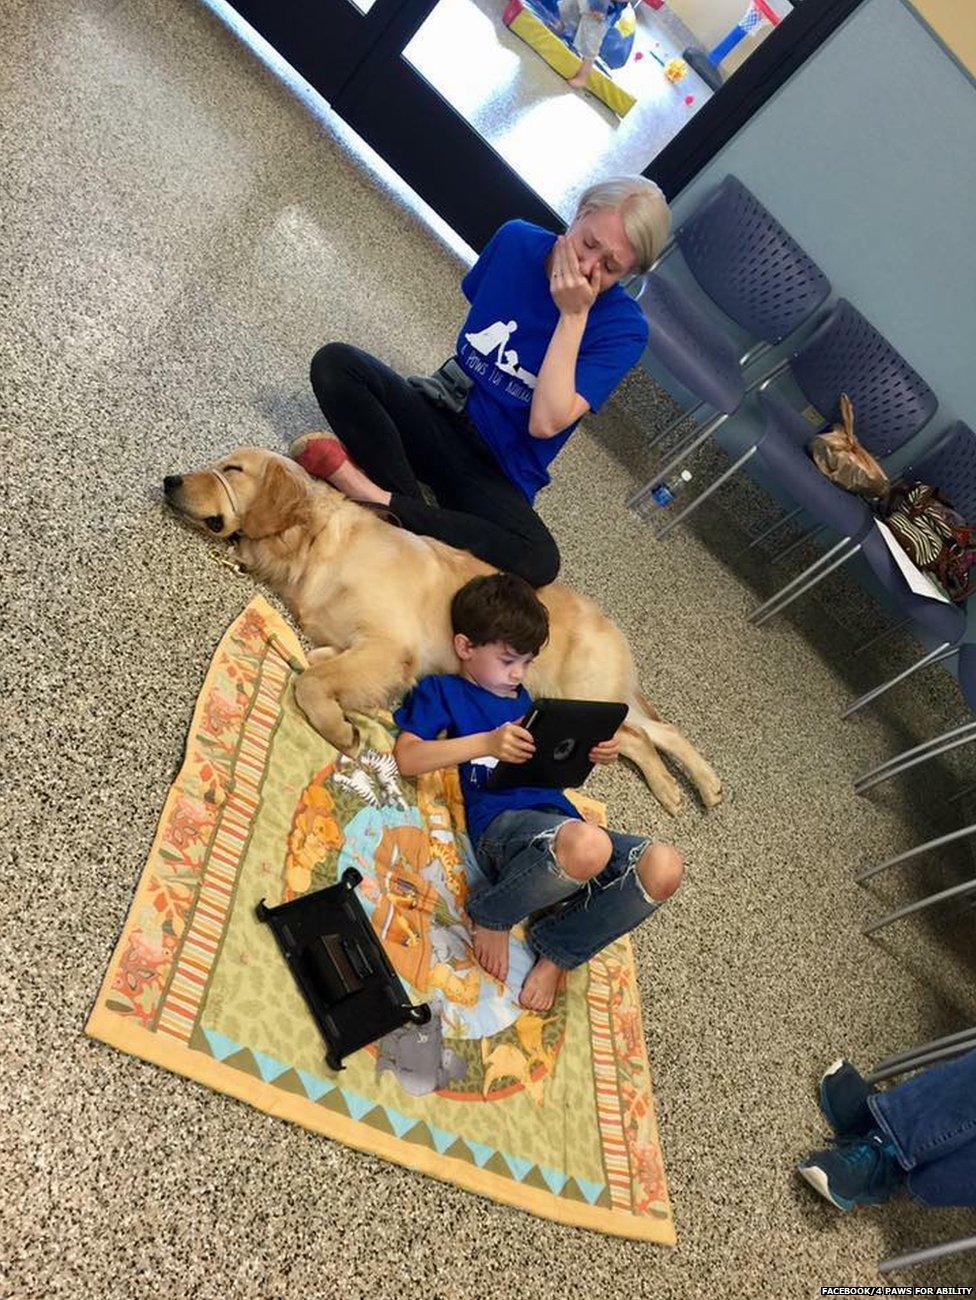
[[841, 458], [934, 536]]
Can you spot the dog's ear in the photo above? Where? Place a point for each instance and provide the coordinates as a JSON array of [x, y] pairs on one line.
[[281, 502]]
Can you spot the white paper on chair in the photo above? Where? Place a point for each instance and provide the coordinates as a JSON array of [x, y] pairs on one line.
[[920, 582]]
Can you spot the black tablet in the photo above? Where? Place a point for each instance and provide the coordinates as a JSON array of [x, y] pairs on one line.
[[564, 732]]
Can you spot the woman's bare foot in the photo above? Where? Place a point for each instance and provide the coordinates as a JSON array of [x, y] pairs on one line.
[[323, 456], [491, 949], [357, 486], [542, 983]]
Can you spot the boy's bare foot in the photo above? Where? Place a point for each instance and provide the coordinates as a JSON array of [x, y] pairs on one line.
[[491, 949], [542, 983]]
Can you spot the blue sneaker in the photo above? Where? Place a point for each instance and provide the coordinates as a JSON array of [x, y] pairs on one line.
[[855, 1171], [844, 1099]]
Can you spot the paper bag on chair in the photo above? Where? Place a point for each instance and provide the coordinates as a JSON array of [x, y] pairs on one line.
[[843, 460]]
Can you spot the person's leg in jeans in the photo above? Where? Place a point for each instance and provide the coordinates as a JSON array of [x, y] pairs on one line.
[[639, 876], [921, 1132], [931, 1121], [533, 858], [395, 437], [606, 882]]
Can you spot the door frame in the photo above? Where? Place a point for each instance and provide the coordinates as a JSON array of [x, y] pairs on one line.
[[361, 73]]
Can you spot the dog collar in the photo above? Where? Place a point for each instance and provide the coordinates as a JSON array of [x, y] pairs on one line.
[[221, 478]]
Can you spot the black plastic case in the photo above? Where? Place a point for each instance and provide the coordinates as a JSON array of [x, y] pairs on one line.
[[339, 964]]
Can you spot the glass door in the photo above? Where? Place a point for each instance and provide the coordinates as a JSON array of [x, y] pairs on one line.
[[493, 109], [324, 40]]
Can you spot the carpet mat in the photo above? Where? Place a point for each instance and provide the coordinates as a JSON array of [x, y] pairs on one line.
[[550, 1113]]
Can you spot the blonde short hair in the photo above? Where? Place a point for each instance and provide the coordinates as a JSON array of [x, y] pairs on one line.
[[643, 210]]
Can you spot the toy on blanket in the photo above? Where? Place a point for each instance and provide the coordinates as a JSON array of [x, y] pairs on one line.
[[341, 968], [535, 22]]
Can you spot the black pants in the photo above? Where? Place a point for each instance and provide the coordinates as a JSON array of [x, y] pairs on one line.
[[400, 440]]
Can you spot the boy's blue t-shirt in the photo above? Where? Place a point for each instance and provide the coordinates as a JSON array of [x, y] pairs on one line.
[[504, 340], [451, 705]]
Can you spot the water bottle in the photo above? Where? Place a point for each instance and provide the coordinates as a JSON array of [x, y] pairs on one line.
[[664, 494]]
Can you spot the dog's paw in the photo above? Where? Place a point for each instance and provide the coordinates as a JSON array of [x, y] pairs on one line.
[[712, 791], [668, 794]]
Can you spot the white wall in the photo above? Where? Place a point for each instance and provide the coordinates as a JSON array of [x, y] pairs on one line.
[[868, 156]]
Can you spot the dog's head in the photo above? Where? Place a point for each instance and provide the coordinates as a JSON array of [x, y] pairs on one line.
[[250, 491]]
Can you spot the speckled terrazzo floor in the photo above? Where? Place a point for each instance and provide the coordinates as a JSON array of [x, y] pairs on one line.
[[177, 236]]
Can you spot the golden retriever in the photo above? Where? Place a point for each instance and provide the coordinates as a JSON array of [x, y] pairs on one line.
[[376, 599]]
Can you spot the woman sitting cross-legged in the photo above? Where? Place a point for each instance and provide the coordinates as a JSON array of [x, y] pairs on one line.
[[549, 335]]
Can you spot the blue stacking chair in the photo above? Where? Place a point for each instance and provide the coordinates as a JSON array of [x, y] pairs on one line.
[[845, 354], [758, 275], [949, 466]]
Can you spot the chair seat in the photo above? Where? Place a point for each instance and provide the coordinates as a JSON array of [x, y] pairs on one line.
[[782, 452], [691, 346], [946, 622]]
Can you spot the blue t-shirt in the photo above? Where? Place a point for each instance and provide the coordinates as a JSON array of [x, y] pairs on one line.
[[451, 705], [503, 343]]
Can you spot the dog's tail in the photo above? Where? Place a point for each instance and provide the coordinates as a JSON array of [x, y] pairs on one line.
[[644, 725], [646, 706]]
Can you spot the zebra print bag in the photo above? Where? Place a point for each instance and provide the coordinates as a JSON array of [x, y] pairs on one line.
[[935, 537]]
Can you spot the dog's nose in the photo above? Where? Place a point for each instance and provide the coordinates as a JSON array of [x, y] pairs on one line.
[[171, 482]]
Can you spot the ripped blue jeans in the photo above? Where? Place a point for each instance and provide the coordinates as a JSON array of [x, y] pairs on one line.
[[516, 854]]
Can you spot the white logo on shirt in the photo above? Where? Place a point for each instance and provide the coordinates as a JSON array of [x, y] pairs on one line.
[[494, 339]]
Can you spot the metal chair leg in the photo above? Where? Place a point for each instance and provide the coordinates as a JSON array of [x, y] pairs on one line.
[[752, 355], [636, 500], [816, 572], [962, 1037], [681, 418], [923, 1058], [702, 496], [943, 896], [890, 630], [774, 527], [944, 651], [913, 757], [915, 852], [958, 1247], [748, 358], [643, 494], [798, 543]]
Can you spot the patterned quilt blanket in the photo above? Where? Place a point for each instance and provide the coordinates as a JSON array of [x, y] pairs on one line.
[[551, 1113]]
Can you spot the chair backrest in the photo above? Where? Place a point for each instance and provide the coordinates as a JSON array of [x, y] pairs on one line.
[[950, 466], [749, 265], [846, 354]]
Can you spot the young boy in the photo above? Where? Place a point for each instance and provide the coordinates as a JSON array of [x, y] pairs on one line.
[[532, 844]]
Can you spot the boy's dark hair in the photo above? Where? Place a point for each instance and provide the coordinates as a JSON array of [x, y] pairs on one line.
[[501, 607]]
